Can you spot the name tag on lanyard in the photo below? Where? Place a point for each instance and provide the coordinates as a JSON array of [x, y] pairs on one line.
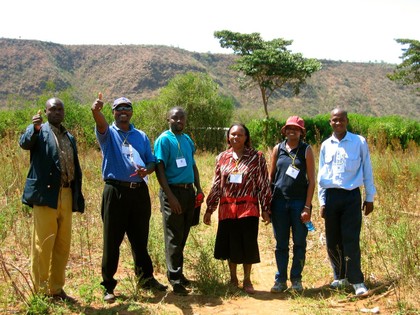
[[235, 178], [181, 162], [125, 149]]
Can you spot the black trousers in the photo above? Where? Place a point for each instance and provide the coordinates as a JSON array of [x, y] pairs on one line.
[[125, 210], [176, 228], [343, 222]]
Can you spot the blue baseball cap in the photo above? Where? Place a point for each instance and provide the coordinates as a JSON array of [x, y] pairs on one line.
[[121, 100]]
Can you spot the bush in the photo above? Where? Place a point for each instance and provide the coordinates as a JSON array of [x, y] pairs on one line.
[[398, 131]]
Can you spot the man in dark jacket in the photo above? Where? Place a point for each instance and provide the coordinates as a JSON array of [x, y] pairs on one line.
[[53, 190]]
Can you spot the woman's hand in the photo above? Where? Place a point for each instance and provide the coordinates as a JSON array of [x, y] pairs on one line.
[[266, 217], [207, 218]]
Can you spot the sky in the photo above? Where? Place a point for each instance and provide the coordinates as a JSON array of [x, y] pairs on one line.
[[353, 30]]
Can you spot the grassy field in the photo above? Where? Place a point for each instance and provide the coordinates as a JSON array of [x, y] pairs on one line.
[[390, 250]]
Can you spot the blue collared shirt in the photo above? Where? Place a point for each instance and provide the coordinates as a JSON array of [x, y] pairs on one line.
[[119, 163], [345, 164]]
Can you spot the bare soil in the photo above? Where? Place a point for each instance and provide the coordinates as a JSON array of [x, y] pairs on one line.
[[317, 298]]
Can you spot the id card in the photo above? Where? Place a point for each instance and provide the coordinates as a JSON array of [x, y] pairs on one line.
[[126, 149], [292, 171], [181, 162], [235, 178], [338, 168]]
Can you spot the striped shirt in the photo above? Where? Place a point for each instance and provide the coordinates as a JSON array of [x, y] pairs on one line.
[[238, 200], [65, 153]]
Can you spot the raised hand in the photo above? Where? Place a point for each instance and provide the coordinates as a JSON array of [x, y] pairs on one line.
[[37, 120], [98, 104]]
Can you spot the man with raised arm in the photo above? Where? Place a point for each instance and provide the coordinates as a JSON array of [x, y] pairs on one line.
[[53, 189], [126, 206]]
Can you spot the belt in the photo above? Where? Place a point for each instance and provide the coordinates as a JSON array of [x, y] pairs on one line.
[[343, 190], [65, 184], [185, 186], [132, 185]]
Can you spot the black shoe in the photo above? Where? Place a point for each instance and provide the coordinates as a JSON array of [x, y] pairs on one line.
[[184, 281], [62, 296], [179, 289], [109, 297], [152, 283]]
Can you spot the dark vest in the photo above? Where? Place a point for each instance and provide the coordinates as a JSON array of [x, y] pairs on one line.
[[286, 187]]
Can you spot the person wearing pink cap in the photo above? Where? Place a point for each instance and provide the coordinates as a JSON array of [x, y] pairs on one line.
[[292, 176]]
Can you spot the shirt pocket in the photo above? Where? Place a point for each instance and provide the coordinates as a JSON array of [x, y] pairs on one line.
[[328, 157], [352, 162]]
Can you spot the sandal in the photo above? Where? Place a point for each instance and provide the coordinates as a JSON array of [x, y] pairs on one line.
[[249, 288]]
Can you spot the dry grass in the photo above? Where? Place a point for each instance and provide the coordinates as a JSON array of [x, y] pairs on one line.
[[390, 250]]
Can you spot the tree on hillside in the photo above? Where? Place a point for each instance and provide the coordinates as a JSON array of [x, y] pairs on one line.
[[408, 72], [267, 64]]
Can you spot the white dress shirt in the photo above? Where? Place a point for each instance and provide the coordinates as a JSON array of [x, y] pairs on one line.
[[346, 165]]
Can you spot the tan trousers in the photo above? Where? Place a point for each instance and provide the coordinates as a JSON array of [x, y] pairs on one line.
[[51, 244]]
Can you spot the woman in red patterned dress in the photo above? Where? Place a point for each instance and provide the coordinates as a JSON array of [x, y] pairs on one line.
[[240, 187]]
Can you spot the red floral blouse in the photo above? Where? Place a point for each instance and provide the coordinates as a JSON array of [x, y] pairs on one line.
[[240, 196]]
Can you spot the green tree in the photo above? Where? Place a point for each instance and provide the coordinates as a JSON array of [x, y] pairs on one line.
[[208, 111], [408, 72], [267, 64]]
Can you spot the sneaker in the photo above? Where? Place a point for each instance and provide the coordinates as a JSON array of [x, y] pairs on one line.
[[339, 284], [297, 285], [152, 283], [359, 288], [279, 287], [179, 289], [184, 281], [109, 297]]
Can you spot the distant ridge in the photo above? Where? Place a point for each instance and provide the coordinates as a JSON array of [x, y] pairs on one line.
[[139, 71]]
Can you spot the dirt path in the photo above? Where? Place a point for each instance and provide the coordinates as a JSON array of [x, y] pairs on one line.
[[317, 298]]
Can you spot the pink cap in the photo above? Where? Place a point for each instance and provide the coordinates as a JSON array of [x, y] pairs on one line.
[[294, 121]]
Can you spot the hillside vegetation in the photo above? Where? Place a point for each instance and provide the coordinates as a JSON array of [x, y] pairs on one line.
[[28, 68]]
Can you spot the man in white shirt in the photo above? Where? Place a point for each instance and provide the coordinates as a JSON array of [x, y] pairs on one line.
[[344, 166]]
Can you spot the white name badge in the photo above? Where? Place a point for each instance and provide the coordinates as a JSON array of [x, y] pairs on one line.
[[235, 178], [181, 162], [126, 149], [338, 168], [292, 171]]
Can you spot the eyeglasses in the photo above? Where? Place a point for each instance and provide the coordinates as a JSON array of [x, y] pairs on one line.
[[126, 108]]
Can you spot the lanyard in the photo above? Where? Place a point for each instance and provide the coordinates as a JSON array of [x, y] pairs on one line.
[[180, 154], [293, 157], [236, 169], [130, 149], [237, 162]]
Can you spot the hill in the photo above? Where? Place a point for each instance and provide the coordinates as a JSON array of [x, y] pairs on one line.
[[28, 67]]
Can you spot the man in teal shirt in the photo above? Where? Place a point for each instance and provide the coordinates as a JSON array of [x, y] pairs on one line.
[[177, 174]]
